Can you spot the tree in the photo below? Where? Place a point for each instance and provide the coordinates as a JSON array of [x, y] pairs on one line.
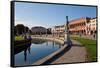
[[26, 29], [48, 31], [30, 31], [19, 29]]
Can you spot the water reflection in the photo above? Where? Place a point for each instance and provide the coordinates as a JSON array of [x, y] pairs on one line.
[[47, 43], [25, 55], [53, 44], [29, 50], [22, 47], [37, 41], [30, 53]]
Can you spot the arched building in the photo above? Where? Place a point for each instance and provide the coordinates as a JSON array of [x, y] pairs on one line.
[[78, 26], [58, 30], [92, 26], [84, 26]]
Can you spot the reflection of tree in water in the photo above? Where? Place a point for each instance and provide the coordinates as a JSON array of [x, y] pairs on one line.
[[26, 48], [37, 41], [25, 53], [18, 49], [29, 50]]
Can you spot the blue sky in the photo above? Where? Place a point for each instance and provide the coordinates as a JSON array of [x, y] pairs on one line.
[[48, 15]]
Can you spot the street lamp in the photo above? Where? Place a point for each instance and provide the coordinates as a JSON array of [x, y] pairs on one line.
[[66, 33], [66, 30]]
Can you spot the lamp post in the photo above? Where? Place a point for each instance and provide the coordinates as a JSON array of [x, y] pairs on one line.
[[66, 33]]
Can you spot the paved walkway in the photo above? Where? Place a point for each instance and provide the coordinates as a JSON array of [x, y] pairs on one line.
[[76, 53]]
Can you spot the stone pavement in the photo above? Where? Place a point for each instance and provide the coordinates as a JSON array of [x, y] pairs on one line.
[[77, 53]]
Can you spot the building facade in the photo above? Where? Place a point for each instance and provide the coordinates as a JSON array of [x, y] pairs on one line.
[[91, 26], [84, 26], [58, 29], [78, 26]]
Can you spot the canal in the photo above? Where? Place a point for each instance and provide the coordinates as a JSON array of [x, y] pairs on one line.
[[35, 51]]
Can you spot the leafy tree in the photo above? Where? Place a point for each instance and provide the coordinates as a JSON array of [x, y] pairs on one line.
[[19, 29], [48, 31], [26, 29]]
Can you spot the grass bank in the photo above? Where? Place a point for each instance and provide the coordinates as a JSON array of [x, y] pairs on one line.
[[91, 47], [19, 41], [18, 38]]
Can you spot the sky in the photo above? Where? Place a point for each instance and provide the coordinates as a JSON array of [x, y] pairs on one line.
[[49, 15]]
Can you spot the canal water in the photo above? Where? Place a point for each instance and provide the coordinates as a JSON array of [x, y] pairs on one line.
[[37, 50]]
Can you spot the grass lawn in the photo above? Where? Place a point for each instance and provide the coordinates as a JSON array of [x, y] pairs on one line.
[[17, 38], [90, 47]]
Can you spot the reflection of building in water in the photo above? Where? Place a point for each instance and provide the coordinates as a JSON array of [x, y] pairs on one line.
[[59, 46], [53, 43], [84, 26], [46, 43]]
